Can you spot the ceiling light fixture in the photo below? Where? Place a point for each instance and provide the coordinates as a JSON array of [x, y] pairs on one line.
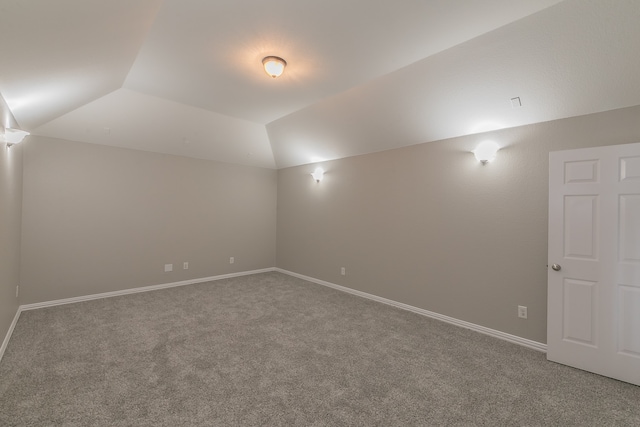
[[13, 136], [274, 65]]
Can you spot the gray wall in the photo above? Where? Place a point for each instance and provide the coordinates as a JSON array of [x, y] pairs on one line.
[[425, 225], [10, 217], [99, 219], [429, 226]]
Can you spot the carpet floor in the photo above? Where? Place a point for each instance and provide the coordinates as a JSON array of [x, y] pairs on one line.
[[273, 350]]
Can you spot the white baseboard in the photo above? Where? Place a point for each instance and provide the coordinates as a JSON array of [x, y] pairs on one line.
[[483, 330], [138, 290], [7, 337]]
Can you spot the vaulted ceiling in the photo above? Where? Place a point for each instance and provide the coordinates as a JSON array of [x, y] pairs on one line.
[[185, 76]]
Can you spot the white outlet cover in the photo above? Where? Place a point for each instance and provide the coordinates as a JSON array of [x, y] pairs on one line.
[[522, 312], [168, 267]]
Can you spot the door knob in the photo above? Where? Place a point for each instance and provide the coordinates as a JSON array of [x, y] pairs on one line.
[[556, 267]]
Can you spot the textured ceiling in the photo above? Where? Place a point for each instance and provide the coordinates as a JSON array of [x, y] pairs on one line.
[[184, 76]]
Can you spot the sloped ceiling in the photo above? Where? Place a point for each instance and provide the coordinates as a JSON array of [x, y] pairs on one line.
[[185, 77]]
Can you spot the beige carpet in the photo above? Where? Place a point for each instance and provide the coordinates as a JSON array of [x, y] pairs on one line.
[[273, 350]]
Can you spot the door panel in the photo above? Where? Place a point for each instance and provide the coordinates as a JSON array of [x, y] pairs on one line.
[[630, 168], [629, 308], [582, 171], [580, 305], [629, 228], [581, 227]]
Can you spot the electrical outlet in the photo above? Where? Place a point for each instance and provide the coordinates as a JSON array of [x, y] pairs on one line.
[[232, 260], [343, 271], [522, 311], [168, 268], [185, 265]]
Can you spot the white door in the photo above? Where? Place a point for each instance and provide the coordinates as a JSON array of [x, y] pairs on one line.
[[594, 260]]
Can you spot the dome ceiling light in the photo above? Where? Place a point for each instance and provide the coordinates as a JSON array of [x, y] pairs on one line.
[[274, 65]]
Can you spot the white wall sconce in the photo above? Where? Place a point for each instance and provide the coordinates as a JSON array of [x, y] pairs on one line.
[[274, 65], [486, 151], [13, 136], [318, 174]]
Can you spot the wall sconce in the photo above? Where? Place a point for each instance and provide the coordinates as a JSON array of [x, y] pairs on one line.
[[318, 174], [274, 65], [13, 136], [486, 151]]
